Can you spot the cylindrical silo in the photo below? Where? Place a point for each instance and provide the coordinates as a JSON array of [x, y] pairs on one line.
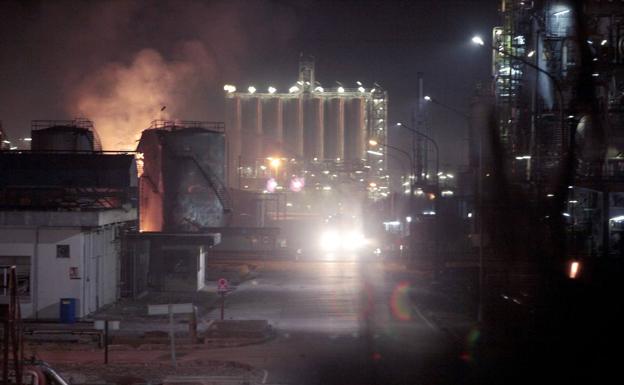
[[355, 129], [191, 173], [313, 128], [62, 138], [233, 136], [272, 127], [251, 131], [334, 128], [293, 126]]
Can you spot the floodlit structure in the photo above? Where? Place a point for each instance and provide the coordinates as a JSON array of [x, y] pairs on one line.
[[308, 125], [541, 59], [181, 172]]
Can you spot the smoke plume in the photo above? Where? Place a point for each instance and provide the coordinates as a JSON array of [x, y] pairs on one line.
[[119, 63], [123, 99]]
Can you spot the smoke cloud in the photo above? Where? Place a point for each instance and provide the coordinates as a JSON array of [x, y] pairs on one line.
[[123, 99], [119, 63]]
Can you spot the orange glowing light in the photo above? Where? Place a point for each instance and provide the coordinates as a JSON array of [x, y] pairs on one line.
[[575, 269], [139, 157]]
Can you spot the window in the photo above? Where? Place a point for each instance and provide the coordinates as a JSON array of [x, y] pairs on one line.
[[62, 251], [22, 264]]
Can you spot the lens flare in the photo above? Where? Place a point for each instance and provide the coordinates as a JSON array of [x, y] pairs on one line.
[[400, 302], [472, 340]]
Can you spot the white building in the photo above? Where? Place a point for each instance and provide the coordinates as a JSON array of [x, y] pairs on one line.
[[62, 208], [63, 255]]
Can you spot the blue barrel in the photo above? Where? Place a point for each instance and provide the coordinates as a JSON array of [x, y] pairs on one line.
[[68, 310]]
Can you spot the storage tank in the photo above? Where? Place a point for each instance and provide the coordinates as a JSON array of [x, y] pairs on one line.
[[313, 128], [355, 129], [251, 131], [62, 136], [233, 136], [293, 126], [272, 127], [190, 200], [334, 128]]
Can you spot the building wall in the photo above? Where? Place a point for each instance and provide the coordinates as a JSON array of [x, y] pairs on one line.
[[102, 267], [89, 272]]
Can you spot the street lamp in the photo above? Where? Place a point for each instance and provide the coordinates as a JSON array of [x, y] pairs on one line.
[[433, 142], [437, 188], [452, 109], [478, 40], [480, 202], [275, 163], [374, 143]]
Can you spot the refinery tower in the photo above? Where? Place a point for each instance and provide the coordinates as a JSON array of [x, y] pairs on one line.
[[309, 125]]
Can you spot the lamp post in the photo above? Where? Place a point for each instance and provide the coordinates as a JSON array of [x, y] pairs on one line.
[[374, 143], [437, 187], [480, 204], [450, 108], [433, 142], [410, 158]]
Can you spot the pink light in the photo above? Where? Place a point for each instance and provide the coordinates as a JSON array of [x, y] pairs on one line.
[[297, 184], [271, 185]]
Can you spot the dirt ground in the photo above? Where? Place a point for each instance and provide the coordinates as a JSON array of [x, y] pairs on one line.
[[154, 372]]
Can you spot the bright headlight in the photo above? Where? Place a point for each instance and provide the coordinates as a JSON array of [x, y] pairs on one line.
[[353, 241], [330, 240]]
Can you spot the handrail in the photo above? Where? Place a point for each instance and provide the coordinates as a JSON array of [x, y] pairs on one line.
[[173, 125], [213, 180]]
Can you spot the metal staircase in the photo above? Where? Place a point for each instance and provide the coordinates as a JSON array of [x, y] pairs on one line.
[[213, 181]]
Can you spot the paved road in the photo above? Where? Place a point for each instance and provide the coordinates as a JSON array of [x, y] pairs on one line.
[[342, 323], [336, 322]]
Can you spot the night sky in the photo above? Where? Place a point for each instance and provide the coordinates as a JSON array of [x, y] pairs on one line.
[[120, 62]]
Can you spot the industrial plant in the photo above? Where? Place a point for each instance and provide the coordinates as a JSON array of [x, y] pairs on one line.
[[559, 115], [282, 222], [310, 131]]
